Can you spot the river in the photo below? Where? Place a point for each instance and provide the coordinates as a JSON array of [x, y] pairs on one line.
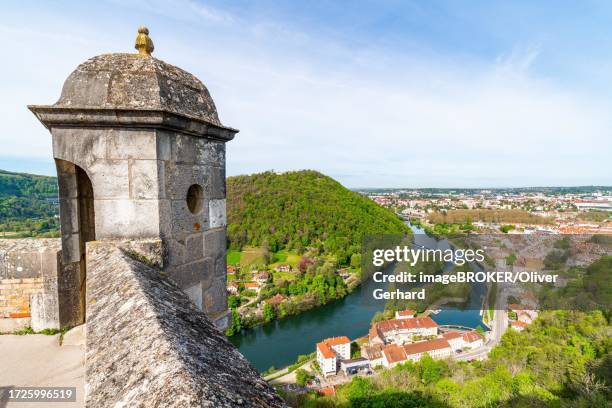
[[278, 343]]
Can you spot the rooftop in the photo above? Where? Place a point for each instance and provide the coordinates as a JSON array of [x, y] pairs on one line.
[[394, 353], [425, 346]]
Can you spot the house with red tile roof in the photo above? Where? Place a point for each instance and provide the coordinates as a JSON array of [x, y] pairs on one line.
[[473, 339], [328, 391], [232, 288], [331, 351], [401, 331], [518, 325], [465, 340], [373, 353], [394, 354], [405, 314], [262, 277], [254, 286], [437, 348]]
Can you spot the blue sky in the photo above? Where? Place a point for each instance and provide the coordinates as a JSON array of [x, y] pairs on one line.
[[372, 93]]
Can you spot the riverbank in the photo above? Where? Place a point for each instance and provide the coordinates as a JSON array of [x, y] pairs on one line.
[[279, 342]]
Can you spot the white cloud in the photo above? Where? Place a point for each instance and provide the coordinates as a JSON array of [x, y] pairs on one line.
[[369, 117]]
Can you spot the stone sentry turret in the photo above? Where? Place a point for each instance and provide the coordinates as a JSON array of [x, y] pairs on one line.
[[140, 153]]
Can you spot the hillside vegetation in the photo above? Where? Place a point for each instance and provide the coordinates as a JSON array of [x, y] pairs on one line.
[[298, 210], [28, 205], [562, 360]]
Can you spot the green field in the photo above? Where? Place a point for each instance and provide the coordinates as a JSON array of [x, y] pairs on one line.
[[285, 257], [233, 257], [251, 256], [254, 256]]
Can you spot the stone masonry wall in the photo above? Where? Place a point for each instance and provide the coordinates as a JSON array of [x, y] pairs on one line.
[[28, 284], [196, 242], [149, 346], [140, 180]]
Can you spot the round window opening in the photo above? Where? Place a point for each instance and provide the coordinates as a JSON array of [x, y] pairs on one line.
[[195, 198]]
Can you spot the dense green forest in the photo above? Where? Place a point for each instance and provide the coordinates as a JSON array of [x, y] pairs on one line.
[[28, 205], [297, 210]]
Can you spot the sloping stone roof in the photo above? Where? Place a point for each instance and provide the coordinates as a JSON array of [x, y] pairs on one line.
[[130, 81], [147, 344]]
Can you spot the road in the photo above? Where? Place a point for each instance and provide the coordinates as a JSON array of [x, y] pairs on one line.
[[499, 327]]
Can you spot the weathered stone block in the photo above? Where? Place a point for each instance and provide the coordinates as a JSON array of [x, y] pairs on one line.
[[132, 144], [66, 179], [215, 243], [79, 146], [126, 219], [69, 215], [215, 298], [183, 148], [210, 153], [184, 222], [195, 246], [44, 311], [164, 145], [179, 177], [110, 179], [187, 275], [144, 179], [218, 182], [218, 217]]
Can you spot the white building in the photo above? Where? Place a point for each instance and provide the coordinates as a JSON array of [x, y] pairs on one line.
[[402, 330], [438, 348], [394, 354], [405, 314], [466, 340], [331, 351]]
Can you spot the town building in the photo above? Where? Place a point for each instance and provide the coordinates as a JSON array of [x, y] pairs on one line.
[[392, 355], [254, 286], [331, 351], [232, 288], [518, 325], [465, 340], [405, 314], [373, 353], [437, 348], [403, 330], [262, 277], [355, 364]]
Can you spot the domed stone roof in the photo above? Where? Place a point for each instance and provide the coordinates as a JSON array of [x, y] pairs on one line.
[[136, 82]]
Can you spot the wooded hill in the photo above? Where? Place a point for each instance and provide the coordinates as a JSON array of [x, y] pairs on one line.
[[28, 204], [301, 209]]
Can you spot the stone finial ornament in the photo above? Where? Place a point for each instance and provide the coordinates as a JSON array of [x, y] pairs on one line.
[[144, 44]]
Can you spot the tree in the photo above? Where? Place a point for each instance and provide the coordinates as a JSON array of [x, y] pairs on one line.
[[268, 313], [233, 301], [356, 261], [235, 324], [302, 377]]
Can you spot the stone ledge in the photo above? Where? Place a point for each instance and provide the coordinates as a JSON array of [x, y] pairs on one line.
[[148, 345]]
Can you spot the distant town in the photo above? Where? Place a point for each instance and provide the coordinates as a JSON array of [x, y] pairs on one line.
[[531, 210]]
